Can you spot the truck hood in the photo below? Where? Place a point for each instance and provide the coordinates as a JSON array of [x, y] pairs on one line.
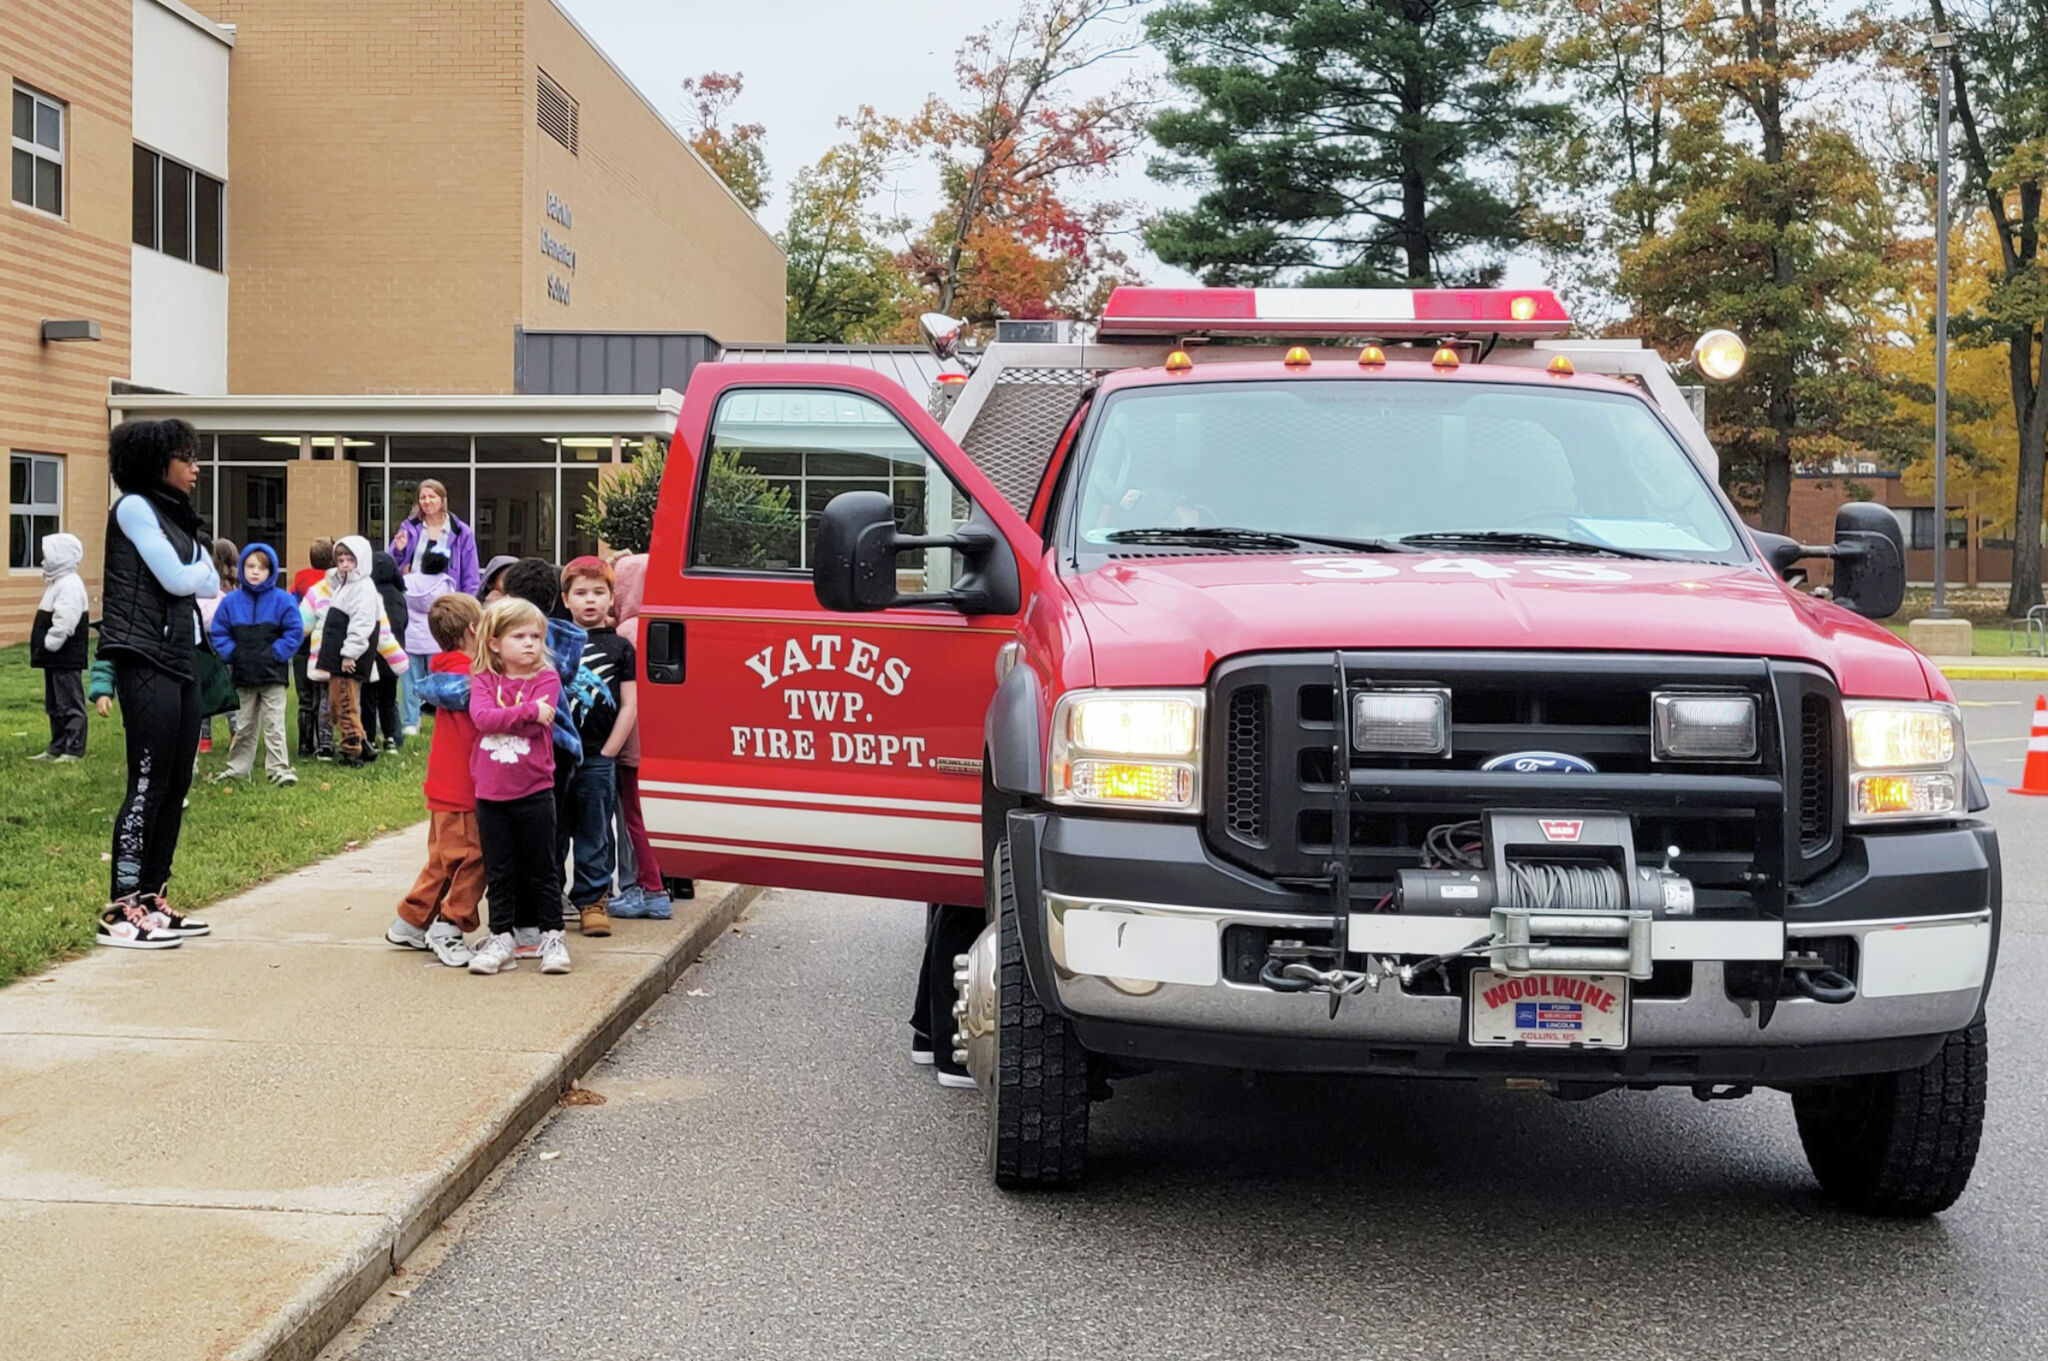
[[1167, 621]]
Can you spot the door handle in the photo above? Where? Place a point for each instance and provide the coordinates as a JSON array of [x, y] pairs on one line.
[[665, 646]]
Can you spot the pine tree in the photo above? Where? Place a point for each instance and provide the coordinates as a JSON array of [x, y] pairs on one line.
[[1338, 142]]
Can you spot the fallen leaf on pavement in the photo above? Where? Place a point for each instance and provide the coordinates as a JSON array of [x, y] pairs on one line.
[[580, 1096], [399, 1294], [696, 992], [551, 1156]]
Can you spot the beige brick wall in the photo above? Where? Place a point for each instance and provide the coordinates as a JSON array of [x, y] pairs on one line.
[[321, 495], [660, 244], [374, 210], [53, 398]]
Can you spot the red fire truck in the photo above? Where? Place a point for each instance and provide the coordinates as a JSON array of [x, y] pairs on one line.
[[1369, 682]]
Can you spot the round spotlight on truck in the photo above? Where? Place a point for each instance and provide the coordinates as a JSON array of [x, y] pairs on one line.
[[1719, 356]]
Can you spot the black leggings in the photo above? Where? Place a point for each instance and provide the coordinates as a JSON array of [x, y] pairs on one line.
[[160, 715], [522, 873]]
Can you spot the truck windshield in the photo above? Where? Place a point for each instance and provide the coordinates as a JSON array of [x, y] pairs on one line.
[[1383, 461]]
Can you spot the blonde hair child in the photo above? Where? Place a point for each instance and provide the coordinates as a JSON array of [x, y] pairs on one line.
[[513, 695]]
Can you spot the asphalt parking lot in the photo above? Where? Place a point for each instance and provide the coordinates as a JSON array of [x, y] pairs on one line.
[[769, 1176]]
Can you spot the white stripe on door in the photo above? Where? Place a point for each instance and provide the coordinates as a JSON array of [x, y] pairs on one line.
[[953, 841], [718, 791], [821, 857]]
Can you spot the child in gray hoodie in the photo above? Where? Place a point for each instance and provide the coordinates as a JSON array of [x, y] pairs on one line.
[[56, 646]]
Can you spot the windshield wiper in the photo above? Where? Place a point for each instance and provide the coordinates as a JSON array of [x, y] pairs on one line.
[[1227, 536], [1521, 538]]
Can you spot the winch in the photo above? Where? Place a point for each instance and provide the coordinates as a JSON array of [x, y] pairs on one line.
[[1561, 893]]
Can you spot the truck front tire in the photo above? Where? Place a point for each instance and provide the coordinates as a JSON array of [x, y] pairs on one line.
[[1899, 1144], [1038, 1100]]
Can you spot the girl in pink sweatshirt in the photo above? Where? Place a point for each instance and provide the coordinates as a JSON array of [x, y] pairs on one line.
[[514, 691]]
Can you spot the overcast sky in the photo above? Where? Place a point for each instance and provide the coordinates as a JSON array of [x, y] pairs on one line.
[[807, 62]]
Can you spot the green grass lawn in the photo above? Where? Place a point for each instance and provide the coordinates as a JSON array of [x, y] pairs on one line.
[[56, 822], [1991, 640]]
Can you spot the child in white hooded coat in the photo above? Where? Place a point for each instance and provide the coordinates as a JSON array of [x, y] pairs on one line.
[[57, 646]]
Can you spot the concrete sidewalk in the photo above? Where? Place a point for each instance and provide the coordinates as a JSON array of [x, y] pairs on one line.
[[222, 1150]]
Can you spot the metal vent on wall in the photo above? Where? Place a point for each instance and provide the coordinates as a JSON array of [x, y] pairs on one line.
[[1013, 434], [558, 113]]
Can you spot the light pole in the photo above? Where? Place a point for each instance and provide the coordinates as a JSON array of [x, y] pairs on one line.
[[1941, 43]]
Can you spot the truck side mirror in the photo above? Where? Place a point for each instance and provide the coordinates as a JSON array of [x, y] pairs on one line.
[[854, 568], [1870, 560]]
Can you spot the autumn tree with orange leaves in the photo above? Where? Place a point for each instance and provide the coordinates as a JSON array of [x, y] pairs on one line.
[[1008, 146], [737, 154]]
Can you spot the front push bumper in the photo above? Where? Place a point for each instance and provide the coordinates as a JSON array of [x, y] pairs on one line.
[[1921, 907]]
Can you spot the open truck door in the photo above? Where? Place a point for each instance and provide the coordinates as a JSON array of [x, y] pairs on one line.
[[792, 745]]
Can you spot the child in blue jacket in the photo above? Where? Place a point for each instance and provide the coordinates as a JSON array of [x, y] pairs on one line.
[[257, 631]]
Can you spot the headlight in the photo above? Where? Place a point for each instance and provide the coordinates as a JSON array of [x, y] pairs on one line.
[[1128, 749], [1704, 727], [1905, 761], [1402, 722]]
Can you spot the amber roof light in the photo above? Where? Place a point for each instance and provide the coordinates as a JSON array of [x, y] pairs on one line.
[[1372, 357], [1561, 367], [1178, 362], [1297, 358], [1445, 357]]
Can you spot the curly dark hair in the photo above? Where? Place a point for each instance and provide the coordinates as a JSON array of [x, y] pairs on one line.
[[535, 580], [139, 453]]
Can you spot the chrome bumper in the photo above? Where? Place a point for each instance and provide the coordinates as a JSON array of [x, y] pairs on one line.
[[1916, 976]]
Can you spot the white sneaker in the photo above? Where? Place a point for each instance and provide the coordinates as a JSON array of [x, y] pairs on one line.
[[957, 1081], [403, 932], [554, 952], [448, 945], [494, 955], [411, 730]]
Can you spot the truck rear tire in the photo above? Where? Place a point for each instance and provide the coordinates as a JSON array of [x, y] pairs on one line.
[[1899, 1144], [1038, 1101]]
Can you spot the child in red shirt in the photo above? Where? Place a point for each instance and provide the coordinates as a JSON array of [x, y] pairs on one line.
[[442, 906]]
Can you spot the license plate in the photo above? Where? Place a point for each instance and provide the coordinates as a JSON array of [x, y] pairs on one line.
[[1563, 1010]]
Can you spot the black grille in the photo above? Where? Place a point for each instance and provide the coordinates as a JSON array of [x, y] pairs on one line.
[[1742, 830], [1244, 803], [1816, 774]]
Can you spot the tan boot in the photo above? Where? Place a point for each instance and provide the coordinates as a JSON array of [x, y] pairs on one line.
[[596, 920]]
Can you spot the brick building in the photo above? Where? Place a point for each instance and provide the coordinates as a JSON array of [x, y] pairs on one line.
[[1975, 557], [459, 200]]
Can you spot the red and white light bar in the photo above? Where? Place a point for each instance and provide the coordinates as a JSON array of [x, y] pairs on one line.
[[1376, 312]]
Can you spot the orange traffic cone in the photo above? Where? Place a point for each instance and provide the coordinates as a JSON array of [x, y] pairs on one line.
[[2034, 779]]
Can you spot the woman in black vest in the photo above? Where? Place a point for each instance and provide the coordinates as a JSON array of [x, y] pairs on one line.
[[157, 569]]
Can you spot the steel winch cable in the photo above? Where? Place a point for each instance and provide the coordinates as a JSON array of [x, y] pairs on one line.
[[1547, 886]]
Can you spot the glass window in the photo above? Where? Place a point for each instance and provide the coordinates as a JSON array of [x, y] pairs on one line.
[[515, 512], [371, 522], [514, 449], [279, 448], [777, 460], [1923, 530], [578, 486], [35, 506], [209, 214], [146, 164], [405, 486], [1386, 459], [434, 451], [177, 211], [252, 506], [38, 148]]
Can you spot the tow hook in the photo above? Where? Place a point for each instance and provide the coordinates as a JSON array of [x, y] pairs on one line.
[[1814, 977], [1721, 1091]]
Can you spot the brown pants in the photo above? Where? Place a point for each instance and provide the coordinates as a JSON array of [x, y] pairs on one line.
[[452, 885], [344, 706]]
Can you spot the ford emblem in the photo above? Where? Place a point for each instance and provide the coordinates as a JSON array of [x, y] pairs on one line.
[[1542, 763]]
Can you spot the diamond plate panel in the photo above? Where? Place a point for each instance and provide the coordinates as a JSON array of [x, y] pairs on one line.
[[1015, 430]]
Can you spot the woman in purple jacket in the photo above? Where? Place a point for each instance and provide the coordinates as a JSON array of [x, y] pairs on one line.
[[436, 553]]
